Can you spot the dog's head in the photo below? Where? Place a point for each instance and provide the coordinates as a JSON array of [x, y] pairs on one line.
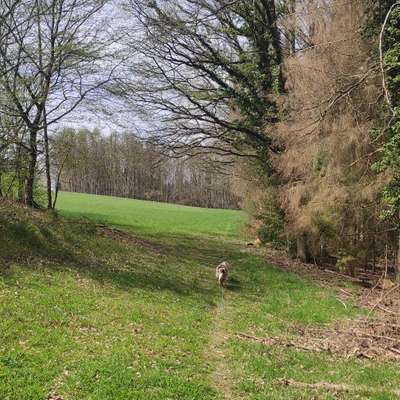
[[222, 270]]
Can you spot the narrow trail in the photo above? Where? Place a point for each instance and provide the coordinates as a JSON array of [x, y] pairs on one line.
[[221, 377]]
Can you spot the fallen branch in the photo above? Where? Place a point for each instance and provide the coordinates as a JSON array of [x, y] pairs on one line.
[[341, 301], [383, 296], [386, 310], [346, 292], [379, 337], [367, 335], [394, 350], [334, 387], [377, 323], [348, 277]]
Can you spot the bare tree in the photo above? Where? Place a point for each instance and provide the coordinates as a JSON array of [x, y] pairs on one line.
[[208, 75], [52, 57], [120, 165]]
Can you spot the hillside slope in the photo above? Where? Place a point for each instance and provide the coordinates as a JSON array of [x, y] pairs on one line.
[[92, 312]]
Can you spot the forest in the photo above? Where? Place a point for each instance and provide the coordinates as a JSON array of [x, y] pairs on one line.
[[121, 165]]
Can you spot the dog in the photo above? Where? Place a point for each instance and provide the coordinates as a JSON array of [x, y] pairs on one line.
[[221, 273]]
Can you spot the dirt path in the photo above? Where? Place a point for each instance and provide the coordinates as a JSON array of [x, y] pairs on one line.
[[221, 377]]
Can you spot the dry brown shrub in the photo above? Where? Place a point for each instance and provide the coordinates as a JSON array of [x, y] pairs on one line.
[[333, 90]]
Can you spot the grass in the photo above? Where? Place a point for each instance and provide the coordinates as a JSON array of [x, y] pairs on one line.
[[151, 217], [91, 317]]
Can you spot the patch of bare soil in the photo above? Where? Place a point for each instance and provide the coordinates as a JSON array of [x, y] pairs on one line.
[[322, 274], [372, 339], [54, 396], [378, 340], [375, 336], [331, 387]]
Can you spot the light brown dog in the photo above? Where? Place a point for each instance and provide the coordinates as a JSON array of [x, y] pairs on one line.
[[221, 273]]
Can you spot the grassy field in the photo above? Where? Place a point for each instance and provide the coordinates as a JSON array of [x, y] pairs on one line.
[[152, 218], [88, 313]]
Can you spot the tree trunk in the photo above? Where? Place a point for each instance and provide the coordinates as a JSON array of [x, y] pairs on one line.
[[292, 31], [58, 180], [47, 161], [397, 269], [20, 175], [56, 194], [302, 253], [30, 180]]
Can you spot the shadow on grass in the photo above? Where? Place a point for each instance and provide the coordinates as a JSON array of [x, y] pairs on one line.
[[22, 240], [206, 250], [234, 285], [149, 281], [60, 245]]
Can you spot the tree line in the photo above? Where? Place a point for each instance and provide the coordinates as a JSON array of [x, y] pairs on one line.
[[118, 164]]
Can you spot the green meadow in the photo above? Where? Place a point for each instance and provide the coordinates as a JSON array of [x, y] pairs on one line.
[[153, 218], [135, 313]]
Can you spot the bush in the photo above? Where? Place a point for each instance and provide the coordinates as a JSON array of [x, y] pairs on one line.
[[347, 264], [272, 227], [12, 188]]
